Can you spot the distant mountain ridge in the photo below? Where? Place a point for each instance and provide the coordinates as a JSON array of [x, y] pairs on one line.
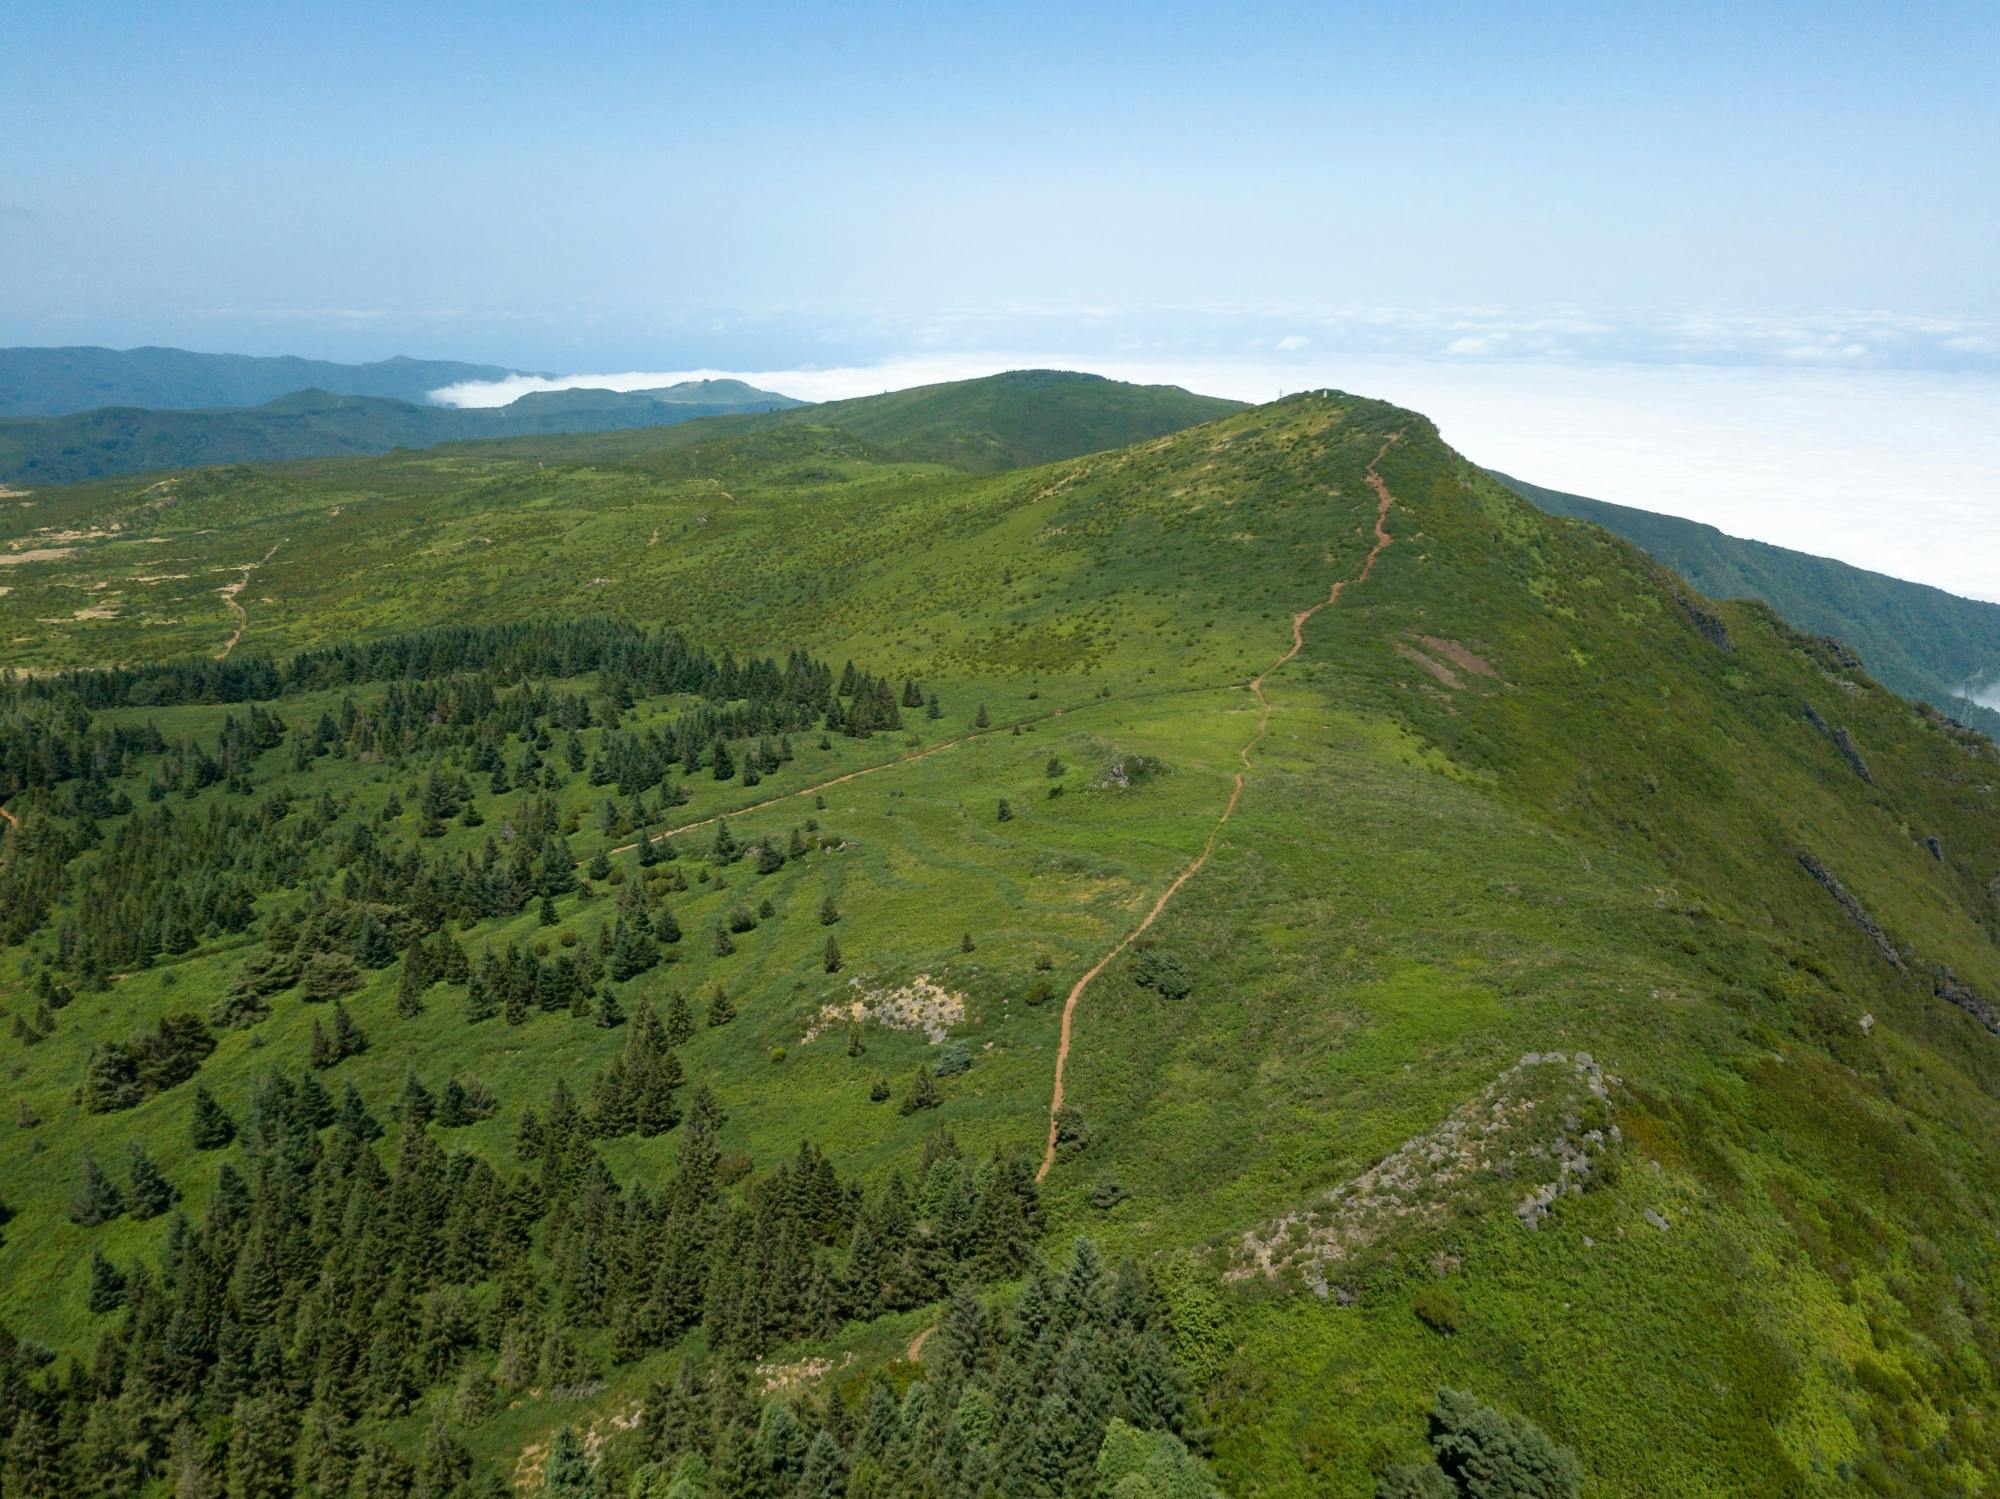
[[1921, 641], [1018, 419], [59, 381], [320, 423]]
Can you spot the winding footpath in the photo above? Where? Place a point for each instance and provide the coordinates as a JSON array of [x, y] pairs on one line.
[[229, 591], [1382, 542]]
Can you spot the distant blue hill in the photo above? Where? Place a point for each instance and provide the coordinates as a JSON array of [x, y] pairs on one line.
[[320, 424], [55, 382]]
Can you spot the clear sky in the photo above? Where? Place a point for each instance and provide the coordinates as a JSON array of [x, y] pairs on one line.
[[627, 185], [1714, 259]]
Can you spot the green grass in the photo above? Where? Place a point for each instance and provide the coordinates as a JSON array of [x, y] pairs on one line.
[[1587, 844]]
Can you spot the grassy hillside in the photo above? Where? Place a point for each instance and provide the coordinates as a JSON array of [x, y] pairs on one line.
[[317, 423], [1017, 419], [54, 382], [1518, 975], [1922, 641]]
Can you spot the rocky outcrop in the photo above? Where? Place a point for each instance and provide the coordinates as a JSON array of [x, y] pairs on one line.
[[1950, 988], [1545, 1119], [1856, 912], [1844, 741], [1706, 620]]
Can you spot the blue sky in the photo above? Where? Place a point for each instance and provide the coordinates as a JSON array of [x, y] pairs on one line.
[[1740, 262], [613, 186]]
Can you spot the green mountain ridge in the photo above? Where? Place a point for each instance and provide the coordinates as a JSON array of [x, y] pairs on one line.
[[1922, 641], [319, 423], [1475, 961]]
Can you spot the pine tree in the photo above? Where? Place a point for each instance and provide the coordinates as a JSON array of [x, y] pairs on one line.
[[314, 1103], [567, 1475], [445, 1466], [855, 1045], [1006, 811], [107, 1285], [354, 1117], [545, 914], [720, 1010], [599, 867], [609, 1015], [410, 987], [923, 1092], [150, 1194], [260, 1443], [452, 1110], [829, 913], [933, 709], [481, 1003], [724, 849], [965, 943], [322, 1050], [348, 1038], [98, 1199], [830, 958], [416, 1105], [666, 930], [878, 1091], [723, 946], [211, 1128], [679, 1028], [981, 720]]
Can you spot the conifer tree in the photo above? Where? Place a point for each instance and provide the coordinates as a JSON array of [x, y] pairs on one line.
[[830, 958], [314, 1103], [981, 720], [665, 928], [452, 1110], [98, 1199], [680, 1020], [723, 947], [416, 1105], [410, 987], [149, 1193], [354, 1117], [609, 1014], [107, 1285], [211, 1128], [923, 1092], [348, 1038], [720, 1010], [829, 913]]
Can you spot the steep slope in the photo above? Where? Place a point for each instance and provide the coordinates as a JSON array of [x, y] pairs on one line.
[[54, 382], [317, 423], [1505, 970], [1922, 641]]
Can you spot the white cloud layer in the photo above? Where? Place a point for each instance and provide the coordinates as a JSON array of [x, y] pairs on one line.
[[1893, 470]]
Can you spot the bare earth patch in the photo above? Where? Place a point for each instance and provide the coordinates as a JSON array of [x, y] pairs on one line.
[[1436, 668], [1458, 655], [1528, 1123], [36, 554], [919, 1005], [780, 1377]]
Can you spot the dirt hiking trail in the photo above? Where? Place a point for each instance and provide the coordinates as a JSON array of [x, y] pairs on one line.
[[1382, 542], [229, 591]]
